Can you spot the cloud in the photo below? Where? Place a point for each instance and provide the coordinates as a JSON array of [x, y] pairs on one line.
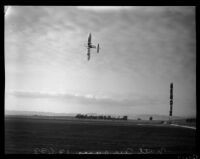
[[89, 99]]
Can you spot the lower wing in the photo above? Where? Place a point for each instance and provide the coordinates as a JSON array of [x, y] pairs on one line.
[[88, 53], [98, 48]]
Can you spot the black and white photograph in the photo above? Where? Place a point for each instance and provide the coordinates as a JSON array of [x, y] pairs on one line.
[[100, 79]]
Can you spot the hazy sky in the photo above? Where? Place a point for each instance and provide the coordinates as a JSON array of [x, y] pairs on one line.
[[143, 50]]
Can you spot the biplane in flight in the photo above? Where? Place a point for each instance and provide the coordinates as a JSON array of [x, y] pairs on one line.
[[91, 46]]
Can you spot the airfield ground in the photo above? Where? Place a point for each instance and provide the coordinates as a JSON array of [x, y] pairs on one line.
[[69, 135]]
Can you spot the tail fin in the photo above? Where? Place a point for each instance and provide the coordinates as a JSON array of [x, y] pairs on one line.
[[98, 48]]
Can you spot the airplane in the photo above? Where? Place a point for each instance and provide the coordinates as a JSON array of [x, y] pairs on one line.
[[90, 46]]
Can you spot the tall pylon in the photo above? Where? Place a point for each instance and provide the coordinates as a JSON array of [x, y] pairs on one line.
[[171, 101]]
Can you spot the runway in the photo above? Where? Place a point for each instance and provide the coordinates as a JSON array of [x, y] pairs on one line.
[[162, 125], [184, 126]]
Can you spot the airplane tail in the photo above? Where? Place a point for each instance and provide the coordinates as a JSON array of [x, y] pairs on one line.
[[98, 48]]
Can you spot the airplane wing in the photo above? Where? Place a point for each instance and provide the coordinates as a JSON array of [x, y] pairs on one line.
[[98, 48], [89, 39], [88, 54]]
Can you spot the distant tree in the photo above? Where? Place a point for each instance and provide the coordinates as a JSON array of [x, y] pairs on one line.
[[190, 120], [125, 118], [138, 119], [162, 122], [78, 116], [150, 118]]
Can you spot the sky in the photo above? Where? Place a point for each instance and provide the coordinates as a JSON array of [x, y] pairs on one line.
[[143, 50]]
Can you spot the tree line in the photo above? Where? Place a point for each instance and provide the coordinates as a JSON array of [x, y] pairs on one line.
[[191, 120], [104, 117]]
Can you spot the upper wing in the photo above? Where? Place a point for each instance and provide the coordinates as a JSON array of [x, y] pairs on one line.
[[89, 39]]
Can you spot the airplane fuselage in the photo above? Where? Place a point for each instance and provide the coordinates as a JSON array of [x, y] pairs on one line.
[[91, 46]]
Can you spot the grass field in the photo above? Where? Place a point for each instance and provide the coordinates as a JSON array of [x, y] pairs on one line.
[[42, 135]]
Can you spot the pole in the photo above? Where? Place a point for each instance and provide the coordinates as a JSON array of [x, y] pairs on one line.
[[171, 101]]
